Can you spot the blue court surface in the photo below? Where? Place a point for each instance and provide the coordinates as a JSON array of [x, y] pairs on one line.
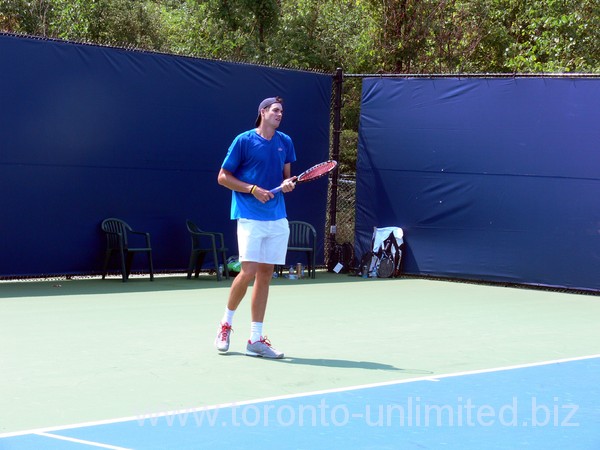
[[550, 405]]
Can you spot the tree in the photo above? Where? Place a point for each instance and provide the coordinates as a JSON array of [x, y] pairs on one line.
[[364, 36], [121, 22], [550, 36], [22, 16], [253, 18], [124, 22], [320, 35]]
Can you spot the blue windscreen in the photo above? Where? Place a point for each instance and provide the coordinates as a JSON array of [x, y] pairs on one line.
[[491, 178], [92, 132]]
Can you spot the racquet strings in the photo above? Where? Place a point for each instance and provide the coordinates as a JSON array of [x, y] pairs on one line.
[[317, 171]]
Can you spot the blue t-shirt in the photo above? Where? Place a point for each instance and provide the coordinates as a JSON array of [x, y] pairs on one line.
[[256, 160]]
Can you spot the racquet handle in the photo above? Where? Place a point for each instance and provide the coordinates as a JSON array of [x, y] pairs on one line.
[[278, 189]]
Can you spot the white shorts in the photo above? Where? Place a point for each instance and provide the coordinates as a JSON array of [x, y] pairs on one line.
[[263, 241]]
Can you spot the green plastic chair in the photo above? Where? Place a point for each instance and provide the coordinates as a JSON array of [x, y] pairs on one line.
[[204, 242], [119, 238], [303, 238]]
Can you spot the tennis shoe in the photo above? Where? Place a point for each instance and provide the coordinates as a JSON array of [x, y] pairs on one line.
[[263, 348], [222, 339]]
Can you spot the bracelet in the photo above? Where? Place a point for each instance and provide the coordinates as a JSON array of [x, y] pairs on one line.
[[252, 189]]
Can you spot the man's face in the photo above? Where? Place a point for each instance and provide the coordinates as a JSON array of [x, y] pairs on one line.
[[273, 115]]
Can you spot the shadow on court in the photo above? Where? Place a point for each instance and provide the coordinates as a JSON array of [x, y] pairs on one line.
[[59, 286], [338, 363], [111, 285], [347, 364]]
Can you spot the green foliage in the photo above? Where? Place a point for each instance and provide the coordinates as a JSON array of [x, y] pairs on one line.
[[348, 151], [319, 35], [193, 29], [362, 36], [553, 36], [23, 16], [123, 22], [250, 22]]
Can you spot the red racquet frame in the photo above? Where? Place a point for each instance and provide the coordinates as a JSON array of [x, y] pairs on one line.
[[314, 173]]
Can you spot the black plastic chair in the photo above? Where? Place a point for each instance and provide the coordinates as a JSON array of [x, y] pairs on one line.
[[118, 237], [303, 238], [204, 242]]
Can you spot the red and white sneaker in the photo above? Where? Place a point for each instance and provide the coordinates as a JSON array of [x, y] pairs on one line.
[[222, 339], [262, 348]]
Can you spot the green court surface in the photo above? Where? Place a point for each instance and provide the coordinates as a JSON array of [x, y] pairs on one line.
[[86, 350]]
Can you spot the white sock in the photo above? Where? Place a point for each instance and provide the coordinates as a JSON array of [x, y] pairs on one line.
[[228, 316], [256, 331]]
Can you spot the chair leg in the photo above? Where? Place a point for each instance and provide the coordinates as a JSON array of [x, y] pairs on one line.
[[308, 266], [310, 257], [106, 260], [197, 260], [199, 263], [127, 267], [124, 274], [192, 264], [151, 266], [225, 268], [216, 261]]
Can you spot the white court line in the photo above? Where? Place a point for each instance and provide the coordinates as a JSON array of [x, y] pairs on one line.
[[433, 378], [81, 441]]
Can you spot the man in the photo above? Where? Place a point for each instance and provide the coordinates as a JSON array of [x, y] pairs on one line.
[[257, 161]]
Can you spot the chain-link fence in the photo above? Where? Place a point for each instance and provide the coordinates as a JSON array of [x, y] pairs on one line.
[[345, 208], [342, 188]]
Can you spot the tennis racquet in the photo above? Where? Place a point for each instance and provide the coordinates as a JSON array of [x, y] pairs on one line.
[[386, 267], [314, 173]]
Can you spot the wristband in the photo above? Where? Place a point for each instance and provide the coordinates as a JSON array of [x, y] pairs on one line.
[[252, 189]]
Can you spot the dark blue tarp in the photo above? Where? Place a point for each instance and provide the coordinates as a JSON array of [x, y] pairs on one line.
[[495, 179], [90, 132]]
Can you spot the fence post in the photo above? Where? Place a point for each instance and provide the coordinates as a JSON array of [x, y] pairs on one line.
[[335, 154]]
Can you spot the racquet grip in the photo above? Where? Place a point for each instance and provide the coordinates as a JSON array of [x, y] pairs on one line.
[[278, 189]]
